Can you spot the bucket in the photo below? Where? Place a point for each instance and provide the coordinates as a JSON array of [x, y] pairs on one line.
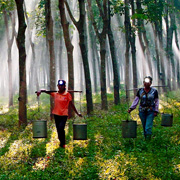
[[129, 129], [166, 120], [79, 131], [39, 129]]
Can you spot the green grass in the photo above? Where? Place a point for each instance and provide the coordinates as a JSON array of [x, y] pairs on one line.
[[105, 155]]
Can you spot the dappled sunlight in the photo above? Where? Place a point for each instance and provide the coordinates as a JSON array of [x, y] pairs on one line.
[[4, 109], [116, 167], [53, 144], [4, 136], [18, 151], [41, 163]]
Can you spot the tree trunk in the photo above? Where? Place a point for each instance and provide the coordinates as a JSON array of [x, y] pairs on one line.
[[104, 105], [22, 64], [116, 81], [81, 27], [169, 52], [92, 39], [127, 37], [61, 75], [172, 30], [10, 43], [50, 38], [102, 40], [157, 56], [69, 47], [178, 64], [133, 50]]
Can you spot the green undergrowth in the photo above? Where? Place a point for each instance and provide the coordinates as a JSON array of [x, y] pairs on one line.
[[104, 155]]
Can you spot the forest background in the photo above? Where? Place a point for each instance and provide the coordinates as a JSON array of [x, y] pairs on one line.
[[96, 46], [104, 48]]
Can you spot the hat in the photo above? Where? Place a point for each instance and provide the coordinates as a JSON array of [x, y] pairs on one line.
[[61, 82]]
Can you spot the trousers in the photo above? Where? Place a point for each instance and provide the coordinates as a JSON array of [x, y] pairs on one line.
[[60, 122], [147, 121]]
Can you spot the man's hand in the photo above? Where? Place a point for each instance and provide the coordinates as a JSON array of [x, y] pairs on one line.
[[129, 110]]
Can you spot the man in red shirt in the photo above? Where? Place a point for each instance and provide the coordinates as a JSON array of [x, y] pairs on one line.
[[62, 100]]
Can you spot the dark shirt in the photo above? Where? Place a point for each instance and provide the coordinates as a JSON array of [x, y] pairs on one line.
[[148, 101]]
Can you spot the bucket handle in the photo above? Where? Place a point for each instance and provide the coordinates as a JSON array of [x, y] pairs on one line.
[[81, 117], [38, 100]]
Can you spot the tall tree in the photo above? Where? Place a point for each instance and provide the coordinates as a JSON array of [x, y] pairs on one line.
[[94, 59], [22, 64], [170, 27], [114, 60], [102, 40], [133, 48], [69, 46], [50, 39], [82, 29], [127, 37]]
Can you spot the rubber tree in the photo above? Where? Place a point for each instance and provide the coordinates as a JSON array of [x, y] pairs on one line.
[[69, 47], [102, 40], [116, 81], [82, 29], [127, 37], [50, 39], [22, 63], [170, 28], [133, 48]]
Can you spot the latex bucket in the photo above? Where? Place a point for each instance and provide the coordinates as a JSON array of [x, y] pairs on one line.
[[39, 129], [79, 131], [129, 129], [166, 119]]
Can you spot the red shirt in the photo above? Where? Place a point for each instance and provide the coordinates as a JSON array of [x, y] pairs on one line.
[[61, 103]]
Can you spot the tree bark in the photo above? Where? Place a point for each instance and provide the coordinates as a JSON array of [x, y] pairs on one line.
[[116, 81], [81, 27], [69, 47], [50, 38], [22, 64], [93, 54], [170, 24], [102, 40], [133, 50], [127, 37]]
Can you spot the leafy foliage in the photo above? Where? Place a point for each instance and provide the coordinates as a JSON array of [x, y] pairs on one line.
[[40, 20], [9, 5]]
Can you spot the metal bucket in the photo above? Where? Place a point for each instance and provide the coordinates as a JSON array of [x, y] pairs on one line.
[[167, 120], [79, 131], [129, 129], [40, 129]]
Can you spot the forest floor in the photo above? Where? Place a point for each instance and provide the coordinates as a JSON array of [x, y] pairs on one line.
[[104, 155]]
